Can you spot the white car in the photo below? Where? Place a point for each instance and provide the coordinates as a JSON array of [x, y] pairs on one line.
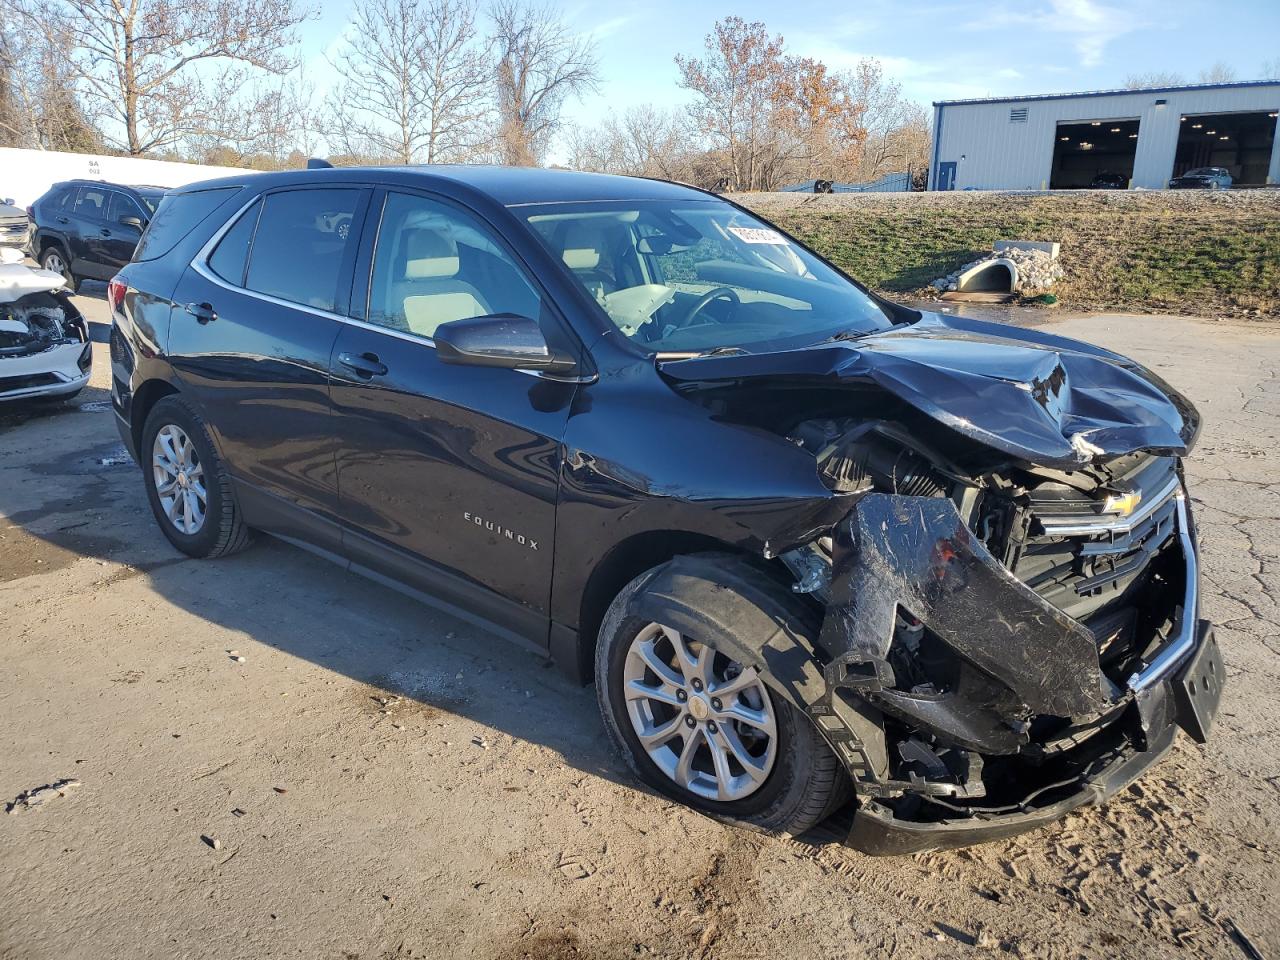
[[44, 341]]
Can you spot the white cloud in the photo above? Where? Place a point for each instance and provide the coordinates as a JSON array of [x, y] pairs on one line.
[[1088, 24]]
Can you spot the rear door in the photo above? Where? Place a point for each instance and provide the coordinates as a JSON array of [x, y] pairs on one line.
[[88, 219], [253, 326], [448, 474]]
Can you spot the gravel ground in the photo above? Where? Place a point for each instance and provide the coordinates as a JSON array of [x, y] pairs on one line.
[[378, 780]]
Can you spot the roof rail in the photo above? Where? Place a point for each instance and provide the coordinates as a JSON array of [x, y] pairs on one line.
[[315, 163]]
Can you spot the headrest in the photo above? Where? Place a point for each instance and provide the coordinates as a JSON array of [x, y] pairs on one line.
[[581, 248], [429, 254]]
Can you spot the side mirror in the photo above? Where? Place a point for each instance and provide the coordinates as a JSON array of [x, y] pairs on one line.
[[8, 201], [131, 222], [500, 340]]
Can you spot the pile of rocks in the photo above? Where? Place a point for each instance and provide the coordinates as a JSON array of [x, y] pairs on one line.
[[1037, 270]]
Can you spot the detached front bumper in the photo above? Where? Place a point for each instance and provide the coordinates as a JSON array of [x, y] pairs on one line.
[[59, 369], [1016, 658], [1187, 700]]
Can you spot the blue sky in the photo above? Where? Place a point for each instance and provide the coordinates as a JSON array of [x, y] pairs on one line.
[[937, 49]]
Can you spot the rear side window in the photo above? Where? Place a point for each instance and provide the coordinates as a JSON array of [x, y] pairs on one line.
[[299, 245], [232, 253], [177, 216]]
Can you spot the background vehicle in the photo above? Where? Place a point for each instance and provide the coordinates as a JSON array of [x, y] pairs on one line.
[[86, 229], [1110, 181], [633, 425], [44, 342], [1202, 178], [13, 225]]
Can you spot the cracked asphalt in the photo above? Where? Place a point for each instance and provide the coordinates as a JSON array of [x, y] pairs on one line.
[[384, 781]]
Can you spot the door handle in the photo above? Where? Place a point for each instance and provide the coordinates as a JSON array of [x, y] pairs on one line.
[[203, 312], [63, 220], [106, 232], [363, 365]]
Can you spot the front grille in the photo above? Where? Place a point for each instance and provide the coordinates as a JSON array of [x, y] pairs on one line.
[[8, 384], [13, 228], [1086, 562]]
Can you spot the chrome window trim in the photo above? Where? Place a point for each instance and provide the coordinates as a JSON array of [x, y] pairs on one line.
[[1074, 526], [199, 264]]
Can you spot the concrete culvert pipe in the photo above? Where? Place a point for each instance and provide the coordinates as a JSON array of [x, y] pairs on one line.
[[990, 276]]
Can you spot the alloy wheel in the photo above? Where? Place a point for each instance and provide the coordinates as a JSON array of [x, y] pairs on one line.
[[179, 479], [704, 720]]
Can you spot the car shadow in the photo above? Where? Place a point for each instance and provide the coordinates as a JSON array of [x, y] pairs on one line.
[[75, 494]]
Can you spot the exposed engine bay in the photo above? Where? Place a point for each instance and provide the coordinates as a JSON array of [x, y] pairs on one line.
[[1002, 632], [44, 341]]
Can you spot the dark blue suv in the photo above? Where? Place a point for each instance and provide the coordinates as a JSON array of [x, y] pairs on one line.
[[812, 546], [87, 229]]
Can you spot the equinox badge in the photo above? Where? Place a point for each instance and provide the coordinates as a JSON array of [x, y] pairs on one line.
[[500, 530]]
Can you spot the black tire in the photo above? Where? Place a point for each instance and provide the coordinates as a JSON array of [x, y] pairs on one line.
[[807, 782], [223, 531], [62, 265]]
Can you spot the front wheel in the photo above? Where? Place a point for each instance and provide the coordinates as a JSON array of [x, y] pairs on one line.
[[705, 729], [55, 260]]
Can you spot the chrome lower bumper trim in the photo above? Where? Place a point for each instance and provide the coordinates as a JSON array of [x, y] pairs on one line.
[[1183, 642]]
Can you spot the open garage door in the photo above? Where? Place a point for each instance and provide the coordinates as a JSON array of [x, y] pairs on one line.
[[1241, 142], [1095, 153]]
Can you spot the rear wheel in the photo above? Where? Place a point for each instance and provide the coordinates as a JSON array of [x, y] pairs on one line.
[[705, 729], [187, 483]]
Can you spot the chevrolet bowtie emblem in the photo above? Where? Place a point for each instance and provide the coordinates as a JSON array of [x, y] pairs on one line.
[[1122, 504]]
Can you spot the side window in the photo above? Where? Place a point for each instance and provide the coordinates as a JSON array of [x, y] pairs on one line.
[[123, 205], [298, 248], [177, 215], [434, 264], [232, 253], [92, 202]]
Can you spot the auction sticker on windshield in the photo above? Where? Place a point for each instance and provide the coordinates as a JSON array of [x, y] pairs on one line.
[[757, 235]]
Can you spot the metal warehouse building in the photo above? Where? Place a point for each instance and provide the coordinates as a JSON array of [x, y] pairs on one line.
[[1063, 141]]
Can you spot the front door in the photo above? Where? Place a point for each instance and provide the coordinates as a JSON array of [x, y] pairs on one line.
[[120, 239], [946, 176], [252, 328], [447, 474]]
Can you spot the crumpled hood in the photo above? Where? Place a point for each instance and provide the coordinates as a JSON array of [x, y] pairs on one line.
[[1041, 398]]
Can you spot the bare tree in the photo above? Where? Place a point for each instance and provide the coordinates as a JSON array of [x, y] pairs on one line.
[[897, 129], [135, 62], [541, 63], [414, 83], [1270, 69], [643, 142], [1152, 79], [38, 104], [1220, 72], [737, 83]]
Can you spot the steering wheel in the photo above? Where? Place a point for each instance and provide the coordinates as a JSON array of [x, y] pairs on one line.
[[719, 293]]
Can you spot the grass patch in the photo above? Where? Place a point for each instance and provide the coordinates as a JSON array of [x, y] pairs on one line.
[[1196, 253]]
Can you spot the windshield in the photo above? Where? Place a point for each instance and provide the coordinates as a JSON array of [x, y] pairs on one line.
[[694, 276]]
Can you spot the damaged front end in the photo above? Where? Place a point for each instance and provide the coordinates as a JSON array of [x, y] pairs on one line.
[[44, 341], [1004, 638]]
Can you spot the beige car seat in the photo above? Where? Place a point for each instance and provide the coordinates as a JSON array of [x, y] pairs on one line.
[[429, 287]]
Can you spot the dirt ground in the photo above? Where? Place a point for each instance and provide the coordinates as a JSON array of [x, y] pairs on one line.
[[384, 781]]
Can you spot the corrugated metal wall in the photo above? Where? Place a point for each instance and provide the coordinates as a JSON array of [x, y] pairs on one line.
[[991, 152]]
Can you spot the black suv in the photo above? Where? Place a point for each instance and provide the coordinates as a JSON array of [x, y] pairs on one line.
[[87, 229], [815, 548]]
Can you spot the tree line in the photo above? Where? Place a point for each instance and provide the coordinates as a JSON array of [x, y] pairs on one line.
[[432, 81]]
